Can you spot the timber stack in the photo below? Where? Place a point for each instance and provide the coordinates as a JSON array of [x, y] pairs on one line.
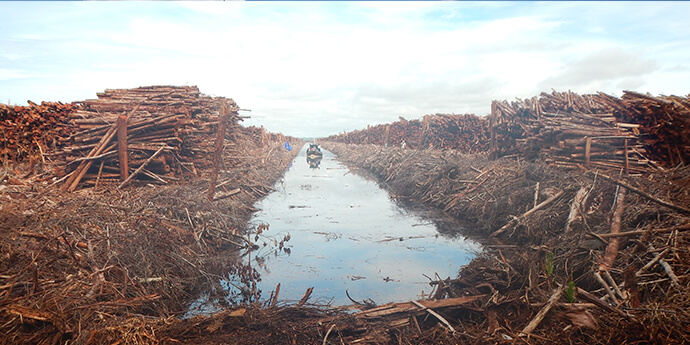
[[168, 133], [467, 133], [28, 132], [666, 122], [636, 133]]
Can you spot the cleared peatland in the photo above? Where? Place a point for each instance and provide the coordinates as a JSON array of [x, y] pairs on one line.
[[575, 250]]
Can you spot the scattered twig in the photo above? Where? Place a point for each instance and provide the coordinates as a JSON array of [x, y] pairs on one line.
[[666, 266], [586, 295], [306, 296], [651, 263], [515, 220], [436, 315], [325, 338], [646, 195], [606, 287], [532, 325]]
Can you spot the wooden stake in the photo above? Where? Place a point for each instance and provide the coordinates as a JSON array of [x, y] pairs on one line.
[[386, 135], [305, 298], [275, 297], [100, 171], [627, 161], [122, 146], [492, 126], [218, 154], [72, 182], [575, 208], [588, 150]]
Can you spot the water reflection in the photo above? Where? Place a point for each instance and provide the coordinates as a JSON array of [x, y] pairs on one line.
[[314, 161], [346, 234]]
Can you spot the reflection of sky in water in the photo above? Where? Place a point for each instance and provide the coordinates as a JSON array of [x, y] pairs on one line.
[[343, 227]]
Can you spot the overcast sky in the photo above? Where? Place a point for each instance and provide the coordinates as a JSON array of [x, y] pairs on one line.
[[320, 68]]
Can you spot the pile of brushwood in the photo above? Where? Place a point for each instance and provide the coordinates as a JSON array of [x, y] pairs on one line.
[[106, 262], [573, 257]]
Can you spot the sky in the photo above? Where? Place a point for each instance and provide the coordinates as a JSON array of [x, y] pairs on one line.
[[312, 69]]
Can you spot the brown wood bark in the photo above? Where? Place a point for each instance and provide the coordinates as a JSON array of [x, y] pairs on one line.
[[612, 248], [122, 147], [218, 154]]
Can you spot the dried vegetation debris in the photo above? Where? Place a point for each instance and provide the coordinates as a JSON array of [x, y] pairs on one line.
[[551, 248], [105, 264]]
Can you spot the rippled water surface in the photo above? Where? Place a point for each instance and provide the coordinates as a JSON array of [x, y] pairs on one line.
[[346, 233]]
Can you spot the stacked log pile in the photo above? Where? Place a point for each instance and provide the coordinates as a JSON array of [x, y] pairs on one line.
[[567, 129], [665, 120], [468, 133], [171, 130], [637, 133], [28, 132]]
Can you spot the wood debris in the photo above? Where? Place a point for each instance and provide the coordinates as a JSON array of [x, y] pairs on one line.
[[179, 119]]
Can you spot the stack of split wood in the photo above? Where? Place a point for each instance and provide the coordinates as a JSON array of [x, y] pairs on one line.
[[157, 133], [570, 130], [468, 133], [29, 132]]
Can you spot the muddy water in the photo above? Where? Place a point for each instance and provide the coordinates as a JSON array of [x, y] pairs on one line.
[[347, 234]]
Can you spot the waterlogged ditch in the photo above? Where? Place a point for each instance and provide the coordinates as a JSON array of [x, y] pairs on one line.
[[328, 228], [345, 233]]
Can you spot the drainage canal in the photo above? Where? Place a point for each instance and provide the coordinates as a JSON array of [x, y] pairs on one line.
[[345, 233]]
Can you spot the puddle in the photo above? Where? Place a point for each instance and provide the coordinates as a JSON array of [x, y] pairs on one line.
[[347, 234]]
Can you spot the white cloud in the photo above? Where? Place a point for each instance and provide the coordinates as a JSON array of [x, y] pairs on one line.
[[344, 65]]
